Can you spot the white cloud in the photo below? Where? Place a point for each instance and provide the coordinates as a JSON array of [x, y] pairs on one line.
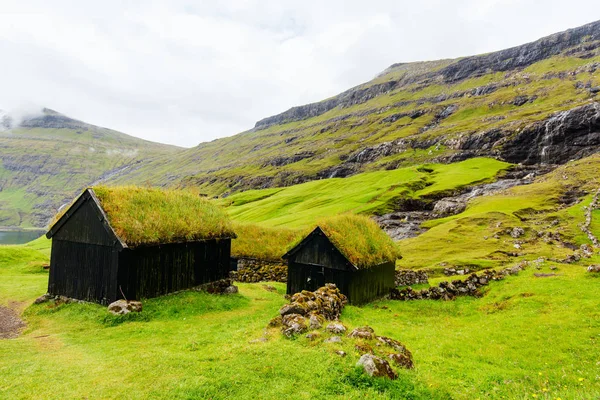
[[184, 72]]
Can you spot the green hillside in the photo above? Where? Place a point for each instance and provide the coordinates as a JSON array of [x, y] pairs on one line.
[[49, 159], [367, 193], [502, 105]]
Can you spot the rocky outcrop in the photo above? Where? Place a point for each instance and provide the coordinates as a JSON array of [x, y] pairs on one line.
[[579, 41], [565, 136], [522, 56], [406, 222]]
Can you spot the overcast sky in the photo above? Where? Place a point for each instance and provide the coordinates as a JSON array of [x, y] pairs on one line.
[[184, 72]]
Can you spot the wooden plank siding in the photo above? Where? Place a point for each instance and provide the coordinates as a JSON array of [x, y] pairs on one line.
[[316, 261], [83, 271], [153, 271]]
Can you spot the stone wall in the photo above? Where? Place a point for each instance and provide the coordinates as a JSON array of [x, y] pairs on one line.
[[407, 277], [253, 270], [450, 290]]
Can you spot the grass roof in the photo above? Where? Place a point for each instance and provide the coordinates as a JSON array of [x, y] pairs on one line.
[[151, 216], [263, 243], [360, 240]]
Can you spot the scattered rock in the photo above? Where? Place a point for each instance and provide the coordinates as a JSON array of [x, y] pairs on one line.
[[446, 207], [340, 353], [123, 306], [364, 332], [315, 321], [543, 275], [293, 324], [314, 308], [594, 268], [269, 288], [363, 348], [375, 366], [517, 232], [275, 322], [333, 339], [231, 290], [259, 340], [222, 286], [42, 299], [312, 335], [336, 327]]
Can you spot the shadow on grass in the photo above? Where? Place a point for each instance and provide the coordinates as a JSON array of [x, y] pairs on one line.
[[169, 307]]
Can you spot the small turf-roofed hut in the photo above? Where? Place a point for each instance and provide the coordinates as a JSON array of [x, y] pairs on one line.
[[350, 251], [138, 243]]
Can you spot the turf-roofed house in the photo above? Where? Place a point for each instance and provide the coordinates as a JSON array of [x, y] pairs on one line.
[[132, 242], [348, 250]]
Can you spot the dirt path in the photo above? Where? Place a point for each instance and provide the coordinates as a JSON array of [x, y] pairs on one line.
[[10, 323]]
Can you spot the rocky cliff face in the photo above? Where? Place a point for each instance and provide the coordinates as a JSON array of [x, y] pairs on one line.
[[582, 41], [567, 135]]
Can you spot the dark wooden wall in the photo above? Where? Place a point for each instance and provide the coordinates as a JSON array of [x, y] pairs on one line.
[[371, 283], [360, 286], [83, 261], [318, 250], [83, 271], [299, 274], [146, 272]]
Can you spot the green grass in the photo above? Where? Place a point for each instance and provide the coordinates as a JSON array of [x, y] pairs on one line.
[[368, 193], [477, 237], [526, 336], [264, 243]]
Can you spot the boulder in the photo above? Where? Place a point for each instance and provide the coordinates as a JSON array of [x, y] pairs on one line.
[[42, 299], [315, 321], [293, 324], [232, 289], [121, 307], [333, 339], [336, 327], [376, 366], [594, 268], [364, 332], [517, 232]]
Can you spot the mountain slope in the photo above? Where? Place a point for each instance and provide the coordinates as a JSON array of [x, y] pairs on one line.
[[532, 103], [46, 159]]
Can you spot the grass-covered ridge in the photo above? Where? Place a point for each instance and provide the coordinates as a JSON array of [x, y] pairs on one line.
[[151, 216], [360, 240]]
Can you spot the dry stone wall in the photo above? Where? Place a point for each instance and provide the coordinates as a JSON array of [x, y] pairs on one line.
[[254, 270]]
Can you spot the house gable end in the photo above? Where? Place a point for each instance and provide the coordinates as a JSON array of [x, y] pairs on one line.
[[85, 222], [317, 249]]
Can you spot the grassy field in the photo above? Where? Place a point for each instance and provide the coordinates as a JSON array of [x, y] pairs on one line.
[[368, 193], [527, 337]]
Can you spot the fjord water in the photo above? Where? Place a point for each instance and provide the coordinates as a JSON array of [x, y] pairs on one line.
[[19, 237]]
